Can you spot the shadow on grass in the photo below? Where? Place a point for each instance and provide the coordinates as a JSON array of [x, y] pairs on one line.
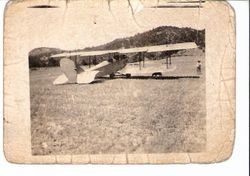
[[150, 77], [97, 81], [103, 79]]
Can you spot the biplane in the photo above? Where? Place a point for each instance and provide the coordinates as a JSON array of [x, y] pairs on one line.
[[116, 60]]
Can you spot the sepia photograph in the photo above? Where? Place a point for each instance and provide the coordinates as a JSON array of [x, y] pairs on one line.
[[143, 93], [119, 81]]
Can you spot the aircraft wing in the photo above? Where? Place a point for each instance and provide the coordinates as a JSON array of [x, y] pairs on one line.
[[156, 48], [159, 48], [85, 53], [172, 47]]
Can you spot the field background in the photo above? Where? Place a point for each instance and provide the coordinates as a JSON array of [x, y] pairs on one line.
[[120, 115]]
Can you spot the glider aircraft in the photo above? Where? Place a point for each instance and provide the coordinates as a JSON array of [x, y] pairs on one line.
[[117, 60]]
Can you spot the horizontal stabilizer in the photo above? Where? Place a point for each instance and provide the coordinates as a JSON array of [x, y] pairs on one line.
[[62, 79], [86, 77]]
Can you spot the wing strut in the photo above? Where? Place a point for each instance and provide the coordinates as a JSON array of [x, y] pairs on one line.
[[168, 61], [89, 61], [143, 59]]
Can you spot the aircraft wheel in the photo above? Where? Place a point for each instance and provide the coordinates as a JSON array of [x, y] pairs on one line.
[[128, 75], [157, 75], [112, 75]]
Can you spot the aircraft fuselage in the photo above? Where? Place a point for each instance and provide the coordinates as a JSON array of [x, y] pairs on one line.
[[109, 67]]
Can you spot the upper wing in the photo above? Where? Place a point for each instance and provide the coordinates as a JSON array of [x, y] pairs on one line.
[[85, 53], [160, 48], [156, 48], [172, 47]]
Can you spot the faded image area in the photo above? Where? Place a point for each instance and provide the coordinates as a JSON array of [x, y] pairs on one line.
[[120, 89]]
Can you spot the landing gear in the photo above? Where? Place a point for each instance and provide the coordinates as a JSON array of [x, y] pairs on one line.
[[157, 75], [128, 75], [111, 76]]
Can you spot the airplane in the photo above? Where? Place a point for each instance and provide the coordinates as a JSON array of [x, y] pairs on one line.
[[73, 73]]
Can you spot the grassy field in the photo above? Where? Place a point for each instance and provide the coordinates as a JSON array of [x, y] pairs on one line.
[[118, 115]]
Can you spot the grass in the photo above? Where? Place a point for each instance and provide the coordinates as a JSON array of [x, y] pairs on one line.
[[117, 116]]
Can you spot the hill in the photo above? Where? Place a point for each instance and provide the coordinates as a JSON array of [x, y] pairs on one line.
[[39, 57], [158, 36]]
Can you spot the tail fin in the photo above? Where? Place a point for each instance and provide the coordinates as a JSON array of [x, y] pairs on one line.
[[70, 75]]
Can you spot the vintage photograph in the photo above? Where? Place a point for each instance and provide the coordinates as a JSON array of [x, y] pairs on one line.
[[139, 94], [119, 82]]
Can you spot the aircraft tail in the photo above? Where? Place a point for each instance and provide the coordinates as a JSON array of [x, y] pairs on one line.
[[62, 79], [86, 77]]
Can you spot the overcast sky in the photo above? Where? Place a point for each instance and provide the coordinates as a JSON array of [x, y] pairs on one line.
[[81, 24]]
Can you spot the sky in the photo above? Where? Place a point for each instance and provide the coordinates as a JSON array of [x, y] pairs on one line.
[[81, 24]]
